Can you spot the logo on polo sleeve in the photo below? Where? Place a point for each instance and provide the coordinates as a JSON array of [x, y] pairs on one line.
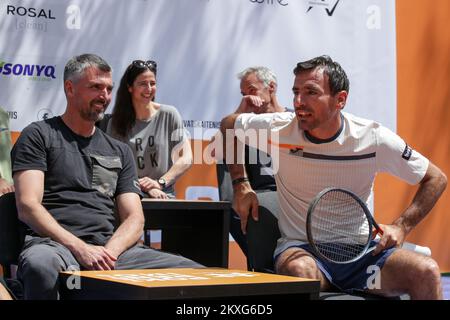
[[407, 153]]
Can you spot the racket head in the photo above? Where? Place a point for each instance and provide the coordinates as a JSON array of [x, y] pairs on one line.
[[338, 226]]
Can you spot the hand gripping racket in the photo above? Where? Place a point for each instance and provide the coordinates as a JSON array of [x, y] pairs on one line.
[[339, 226]]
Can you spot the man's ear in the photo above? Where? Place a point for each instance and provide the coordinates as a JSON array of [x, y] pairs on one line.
[[341, 99], [68, 87], [272, 87]]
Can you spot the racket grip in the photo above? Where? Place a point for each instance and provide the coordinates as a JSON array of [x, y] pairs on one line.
[[416, 248], [376, 232]]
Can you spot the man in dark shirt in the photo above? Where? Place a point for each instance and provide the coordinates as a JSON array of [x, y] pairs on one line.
[[258, 88], [70, 179]]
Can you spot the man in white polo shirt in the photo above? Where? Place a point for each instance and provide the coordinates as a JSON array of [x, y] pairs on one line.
[[319, 146]]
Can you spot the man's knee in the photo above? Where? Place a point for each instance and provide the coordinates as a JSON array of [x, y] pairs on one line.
[[306, 268], [40, 265], [302, 266], [425, 280], [421, 268], [412, 273], [428, 270]]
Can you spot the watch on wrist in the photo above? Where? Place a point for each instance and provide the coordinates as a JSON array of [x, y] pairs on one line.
[[239, 180], [162, 183]]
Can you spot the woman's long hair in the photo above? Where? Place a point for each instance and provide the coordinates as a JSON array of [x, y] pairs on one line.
[[123, 115]]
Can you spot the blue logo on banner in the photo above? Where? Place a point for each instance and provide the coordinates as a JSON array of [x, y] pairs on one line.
[[30, 70]]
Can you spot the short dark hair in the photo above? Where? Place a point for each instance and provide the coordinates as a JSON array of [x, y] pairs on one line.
[[337, 78], [75, 66]]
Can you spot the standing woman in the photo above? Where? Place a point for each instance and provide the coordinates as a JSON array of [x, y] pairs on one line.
[[154, 131]]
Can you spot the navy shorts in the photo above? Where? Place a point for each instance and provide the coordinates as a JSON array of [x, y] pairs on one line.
[[355, 276]]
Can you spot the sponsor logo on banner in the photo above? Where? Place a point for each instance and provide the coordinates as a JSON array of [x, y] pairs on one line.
[[271, 2], [11, 113], [43, 19], [329, 6], [205, 124], [35, 72], [44, 114], [29, 12], [30, 18]]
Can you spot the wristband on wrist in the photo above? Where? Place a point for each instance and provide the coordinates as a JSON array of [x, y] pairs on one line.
[[239, 180]]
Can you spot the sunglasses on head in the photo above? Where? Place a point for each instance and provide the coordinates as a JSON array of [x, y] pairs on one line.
[[145, 64]]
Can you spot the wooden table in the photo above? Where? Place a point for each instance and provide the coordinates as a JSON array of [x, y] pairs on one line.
[[196, 229], [208, 283]]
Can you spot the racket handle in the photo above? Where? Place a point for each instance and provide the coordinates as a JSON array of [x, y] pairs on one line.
[[376, 232], [416, 248], [380, 231], [410, 246]]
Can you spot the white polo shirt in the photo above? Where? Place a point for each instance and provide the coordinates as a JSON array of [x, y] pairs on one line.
[[304, 166]]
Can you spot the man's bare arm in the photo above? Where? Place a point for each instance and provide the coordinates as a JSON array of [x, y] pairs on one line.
[[244, 197], [230, 145], [430, 189], [29, 193], [131, 226]]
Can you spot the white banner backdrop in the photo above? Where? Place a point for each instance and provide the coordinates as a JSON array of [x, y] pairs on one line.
[[200, 46]]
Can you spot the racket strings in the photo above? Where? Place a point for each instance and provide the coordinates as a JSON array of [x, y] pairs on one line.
[[340, 229], [340, 252]]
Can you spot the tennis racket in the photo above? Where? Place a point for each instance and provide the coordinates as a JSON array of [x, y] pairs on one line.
[[339, 226]]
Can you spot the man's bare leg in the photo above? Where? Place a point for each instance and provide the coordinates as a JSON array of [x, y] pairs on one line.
[[299, 263], [409, 272]]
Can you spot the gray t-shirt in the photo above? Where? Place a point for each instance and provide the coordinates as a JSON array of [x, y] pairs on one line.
[[153, 141]]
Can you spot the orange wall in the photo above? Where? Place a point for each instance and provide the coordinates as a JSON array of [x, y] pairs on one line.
[[14, 136], [198, 174], [423, 94]]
